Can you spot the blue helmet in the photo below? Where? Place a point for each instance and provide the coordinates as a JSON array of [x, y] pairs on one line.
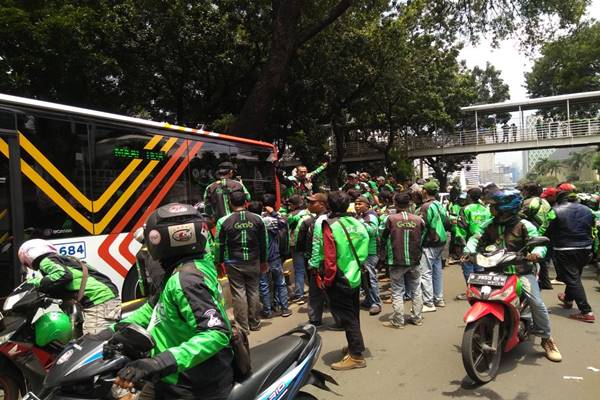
[[507, 201]]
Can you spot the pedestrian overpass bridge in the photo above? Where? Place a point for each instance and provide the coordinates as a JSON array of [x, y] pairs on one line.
[[535, 133]]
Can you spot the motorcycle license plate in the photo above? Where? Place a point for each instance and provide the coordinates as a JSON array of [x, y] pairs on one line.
[[30, 396], [487, 280]]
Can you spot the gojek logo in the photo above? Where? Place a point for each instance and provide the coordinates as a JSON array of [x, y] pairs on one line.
[[243, 225]]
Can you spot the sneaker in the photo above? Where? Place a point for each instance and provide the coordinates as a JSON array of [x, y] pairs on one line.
[[562, 298], [256, 327], [440, 304], [301, 301], [551, 350], [286, 312], [589, 317], [556, 282], [390, 324], [416, 321], [349, 362], [365, 306], [462, 296], [266, 314], [427, 308], [374, 310]]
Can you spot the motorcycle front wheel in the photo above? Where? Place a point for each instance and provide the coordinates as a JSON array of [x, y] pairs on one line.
[[9, 385], [480, 359]]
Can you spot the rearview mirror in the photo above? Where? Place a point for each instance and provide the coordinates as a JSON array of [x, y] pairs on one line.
[[538, 241]]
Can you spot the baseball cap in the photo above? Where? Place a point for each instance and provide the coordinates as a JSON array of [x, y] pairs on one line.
[[431, 186], [317, 197], [352, 175], [362, 199]]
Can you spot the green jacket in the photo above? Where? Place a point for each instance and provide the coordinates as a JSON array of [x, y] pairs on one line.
[[436, 221], [539, 212], [339, 262], [471, 219], [371, 222], [512, 236], [61, 278], [316, 258], [188, 319]]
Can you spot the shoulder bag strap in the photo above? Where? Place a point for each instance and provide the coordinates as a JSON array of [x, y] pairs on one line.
[[84, 277], [350, 243]]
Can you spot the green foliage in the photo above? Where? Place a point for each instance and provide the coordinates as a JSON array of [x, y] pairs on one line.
[[568, 65]]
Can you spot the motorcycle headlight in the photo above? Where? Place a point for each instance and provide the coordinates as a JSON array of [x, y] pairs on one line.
[[10, 301], [6, 337]]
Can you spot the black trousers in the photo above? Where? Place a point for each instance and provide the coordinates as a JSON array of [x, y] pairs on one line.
[[345, 306], [544, 277], [316, 300], [569, 265]]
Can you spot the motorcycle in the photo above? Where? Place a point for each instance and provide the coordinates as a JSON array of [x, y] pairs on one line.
[[29, 345], [499, 317], [87, 368]]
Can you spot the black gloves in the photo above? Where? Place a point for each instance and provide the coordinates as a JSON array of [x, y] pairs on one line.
[[149, 368]]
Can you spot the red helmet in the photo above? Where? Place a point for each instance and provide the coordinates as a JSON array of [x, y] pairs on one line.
[[34, 248], [566, 187]]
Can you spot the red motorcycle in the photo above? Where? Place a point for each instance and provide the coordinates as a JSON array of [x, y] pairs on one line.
[[499, 317]]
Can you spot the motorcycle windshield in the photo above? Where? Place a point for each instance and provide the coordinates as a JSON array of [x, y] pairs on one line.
[[11, 324]]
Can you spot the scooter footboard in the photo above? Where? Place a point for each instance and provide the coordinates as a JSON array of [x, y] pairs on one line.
[[481, 309]]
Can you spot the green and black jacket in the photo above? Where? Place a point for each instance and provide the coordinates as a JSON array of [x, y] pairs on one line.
[[436, 222], [241, 238], [216, 196], [187, 318], [61, 278]]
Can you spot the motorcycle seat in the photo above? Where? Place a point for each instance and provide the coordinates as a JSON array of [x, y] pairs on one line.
[[269, 361]]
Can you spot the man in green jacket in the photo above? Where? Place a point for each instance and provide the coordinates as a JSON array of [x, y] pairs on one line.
[[62, 277], [436, 223], [187, 318], [343, 245]]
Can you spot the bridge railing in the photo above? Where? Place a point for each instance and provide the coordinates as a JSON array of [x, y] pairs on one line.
[[485, 136]]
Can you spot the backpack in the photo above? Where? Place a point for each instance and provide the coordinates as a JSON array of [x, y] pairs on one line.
[[284, 242]]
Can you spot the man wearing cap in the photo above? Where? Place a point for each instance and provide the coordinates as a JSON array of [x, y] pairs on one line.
[[369, 219], [571, 237], [436, 223], [217, 194], [352, 182], [401, 239]]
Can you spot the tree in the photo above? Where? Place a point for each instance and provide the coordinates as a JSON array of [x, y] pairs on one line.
[[570, 64], [547, 166]]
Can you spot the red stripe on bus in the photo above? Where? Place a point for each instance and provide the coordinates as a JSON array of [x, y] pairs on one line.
[[103, 250], [124, 246]]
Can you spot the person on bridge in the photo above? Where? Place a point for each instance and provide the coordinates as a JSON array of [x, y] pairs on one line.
[[513, 129], [505, 130], [571, 236], [507, 230], [217, 194]]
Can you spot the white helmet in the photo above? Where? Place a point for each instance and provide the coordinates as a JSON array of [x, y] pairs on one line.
[[34, 248]]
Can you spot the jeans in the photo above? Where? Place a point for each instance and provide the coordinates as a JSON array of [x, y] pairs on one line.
[[469, 268], [243, 282], [372, 297], [279, 287], [299, 272], [539, 312], [403, 278], [431, 275], [569, 265]]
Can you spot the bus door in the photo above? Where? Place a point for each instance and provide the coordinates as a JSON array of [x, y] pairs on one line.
[[11, 216]]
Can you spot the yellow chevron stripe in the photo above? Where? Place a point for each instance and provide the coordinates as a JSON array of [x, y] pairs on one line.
[[92, 206], [99, 227], [50, 192], [69, 209]]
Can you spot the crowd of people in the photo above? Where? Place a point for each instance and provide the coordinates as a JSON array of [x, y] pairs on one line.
[[343, 244]]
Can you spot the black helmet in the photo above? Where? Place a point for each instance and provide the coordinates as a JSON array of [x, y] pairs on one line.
[[175, 230]]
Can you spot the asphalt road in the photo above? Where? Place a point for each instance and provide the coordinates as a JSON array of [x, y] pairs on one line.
[[425, 362]]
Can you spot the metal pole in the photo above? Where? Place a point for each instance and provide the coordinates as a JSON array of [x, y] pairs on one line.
[[521, 122], [476, 130], [568, 118]]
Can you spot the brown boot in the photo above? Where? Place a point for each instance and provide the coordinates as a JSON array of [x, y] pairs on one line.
[[349, 362], [551, 350]]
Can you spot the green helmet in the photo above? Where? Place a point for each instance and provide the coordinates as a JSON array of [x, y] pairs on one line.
[[53, 326]]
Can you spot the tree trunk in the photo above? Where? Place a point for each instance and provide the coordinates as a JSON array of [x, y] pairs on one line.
[[253, 116], [334, 171]]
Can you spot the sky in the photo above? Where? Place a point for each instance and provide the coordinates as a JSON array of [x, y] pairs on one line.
[[513, 65]]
